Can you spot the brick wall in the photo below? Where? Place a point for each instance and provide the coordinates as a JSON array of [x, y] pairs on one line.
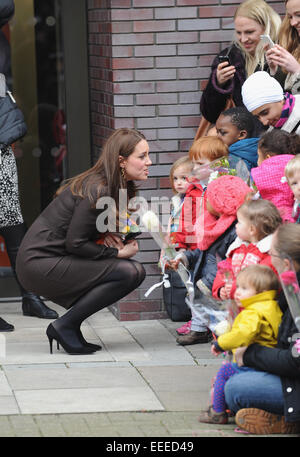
[[149, 62]]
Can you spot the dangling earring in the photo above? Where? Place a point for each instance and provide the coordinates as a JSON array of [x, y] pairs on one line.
[[123, 172]]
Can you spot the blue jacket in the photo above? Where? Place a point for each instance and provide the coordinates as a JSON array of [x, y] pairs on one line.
[[245, 149]]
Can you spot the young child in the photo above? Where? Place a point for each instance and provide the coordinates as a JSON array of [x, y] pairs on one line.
[[238, 129], [258, 322], [214, 232], [179, 174], [263, 96], [268, 177], [257, 221], [292, 174], [203, 151]]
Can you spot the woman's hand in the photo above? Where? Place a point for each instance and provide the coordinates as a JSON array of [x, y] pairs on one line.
[[128, 250], [239, 354], [113, 240], [280, 56], [225, 72]]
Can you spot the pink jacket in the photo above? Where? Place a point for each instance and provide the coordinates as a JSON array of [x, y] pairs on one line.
[[271, 183]]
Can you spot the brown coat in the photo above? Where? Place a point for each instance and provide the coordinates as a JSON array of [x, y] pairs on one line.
[[59, 258]]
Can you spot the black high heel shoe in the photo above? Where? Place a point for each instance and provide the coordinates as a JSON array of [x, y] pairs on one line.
[[95, 347], [53, 334]]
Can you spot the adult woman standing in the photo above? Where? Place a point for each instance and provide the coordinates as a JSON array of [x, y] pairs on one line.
[[59, 256], [268, 401], [12, 226], [287, 53], [252, 19]]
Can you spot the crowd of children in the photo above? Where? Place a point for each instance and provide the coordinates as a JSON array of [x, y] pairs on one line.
[[226, 222]]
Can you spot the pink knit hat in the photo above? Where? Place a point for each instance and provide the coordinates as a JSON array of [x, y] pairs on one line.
[[270, 181], [225, 194]]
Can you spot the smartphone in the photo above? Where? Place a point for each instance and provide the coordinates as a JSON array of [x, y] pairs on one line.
[[224, 59], [267, 40], [131, 236]]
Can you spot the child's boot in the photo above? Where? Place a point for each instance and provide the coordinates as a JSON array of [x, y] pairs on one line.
[[212, 417]]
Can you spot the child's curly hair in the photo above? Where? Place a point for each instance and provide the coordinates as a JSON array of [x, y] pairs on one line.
[[279, 142]]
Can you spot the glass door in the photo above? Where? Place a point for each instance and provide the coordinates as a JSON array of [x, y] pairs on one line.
[[46, 38]]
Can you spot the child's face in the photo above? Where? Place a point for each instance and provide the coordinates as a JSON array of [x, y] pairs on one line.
[[243, 290], [243, 228], [197, 163], [180, 176], [269, 114], [294, 183], [228, 132], [260, 157]]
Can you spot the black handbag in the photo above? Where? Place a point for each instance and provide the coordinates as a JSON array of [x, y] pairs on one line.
[[12, 123], [174, 297]]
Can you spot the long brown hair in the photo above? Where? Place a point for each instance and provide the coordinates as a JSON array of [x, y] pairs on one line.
[[288, 241], [105, 178], [288, 37]]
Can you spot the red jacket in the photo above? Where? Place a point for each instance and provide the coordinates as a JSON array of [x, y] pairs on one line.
[[239, 256], [185, 235]]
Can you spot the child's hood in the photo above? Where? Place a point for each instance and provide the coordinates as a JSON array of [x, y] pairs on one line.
[[246, 149]]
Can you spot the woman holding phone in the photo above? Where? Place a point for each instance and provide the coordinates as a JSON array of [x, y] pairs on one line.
[[233, 65], [60, 258], [287, 54]]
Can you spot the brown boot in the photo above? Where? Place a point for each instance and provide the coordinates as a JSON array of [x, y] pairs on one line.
[[212, 417], [195, 337], [260, 422]]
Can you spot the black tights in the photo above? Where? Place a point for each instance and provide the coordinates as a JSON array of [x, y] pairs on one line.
[[126, 276], [13, 236]]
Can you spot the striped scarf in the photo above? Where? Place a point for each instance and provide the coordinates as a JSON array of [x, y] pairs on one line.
[[286, 110]]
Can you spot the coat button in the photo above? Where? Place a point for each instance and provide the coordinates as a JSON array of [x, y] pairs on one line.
[[289, 389], [290, 410]]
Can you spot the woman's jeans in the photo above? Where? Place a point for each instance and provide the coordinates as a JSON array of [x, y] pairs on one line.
[[254, 389]]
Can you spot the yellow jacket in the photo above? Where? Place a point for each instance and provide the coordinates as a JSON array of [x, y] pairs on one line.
[[258, 323]]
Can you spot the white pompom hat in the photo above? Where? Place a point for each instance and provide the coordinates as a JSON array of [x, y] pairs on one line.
[[260, 89]]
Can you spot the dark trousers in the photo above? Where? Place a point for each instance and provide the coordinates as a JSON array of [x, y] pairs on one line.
[[13, 236]]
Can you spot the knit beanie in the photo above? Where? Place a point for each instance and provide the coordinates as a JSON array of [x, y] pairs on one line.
[[225, 194], [260, 89]]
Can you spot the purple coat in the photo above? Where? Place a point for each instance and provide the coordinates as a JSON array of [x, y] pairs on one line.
[[214, 98]]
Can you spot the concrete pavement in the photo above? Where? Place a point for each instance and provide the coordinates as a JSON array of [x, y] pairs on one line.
[[141, 384]]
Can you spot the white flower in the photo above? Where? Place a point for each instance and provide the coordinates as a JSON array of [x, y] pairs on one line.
[[283, 179], [222, 327], [151, 221]]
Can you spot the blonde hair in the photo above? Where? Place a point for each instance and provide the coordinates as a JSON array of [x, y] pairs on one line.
[[263, 214], [262, 13], [260, 277], [182, 161], [288, 38], [292, 167], [209, 147]]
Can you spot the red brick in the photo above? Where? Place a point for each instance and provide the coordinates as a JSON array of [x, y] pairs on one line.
[[119, 63], [153, 3], [177, 37], [131, 14], [216, 11], [153, 26]]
